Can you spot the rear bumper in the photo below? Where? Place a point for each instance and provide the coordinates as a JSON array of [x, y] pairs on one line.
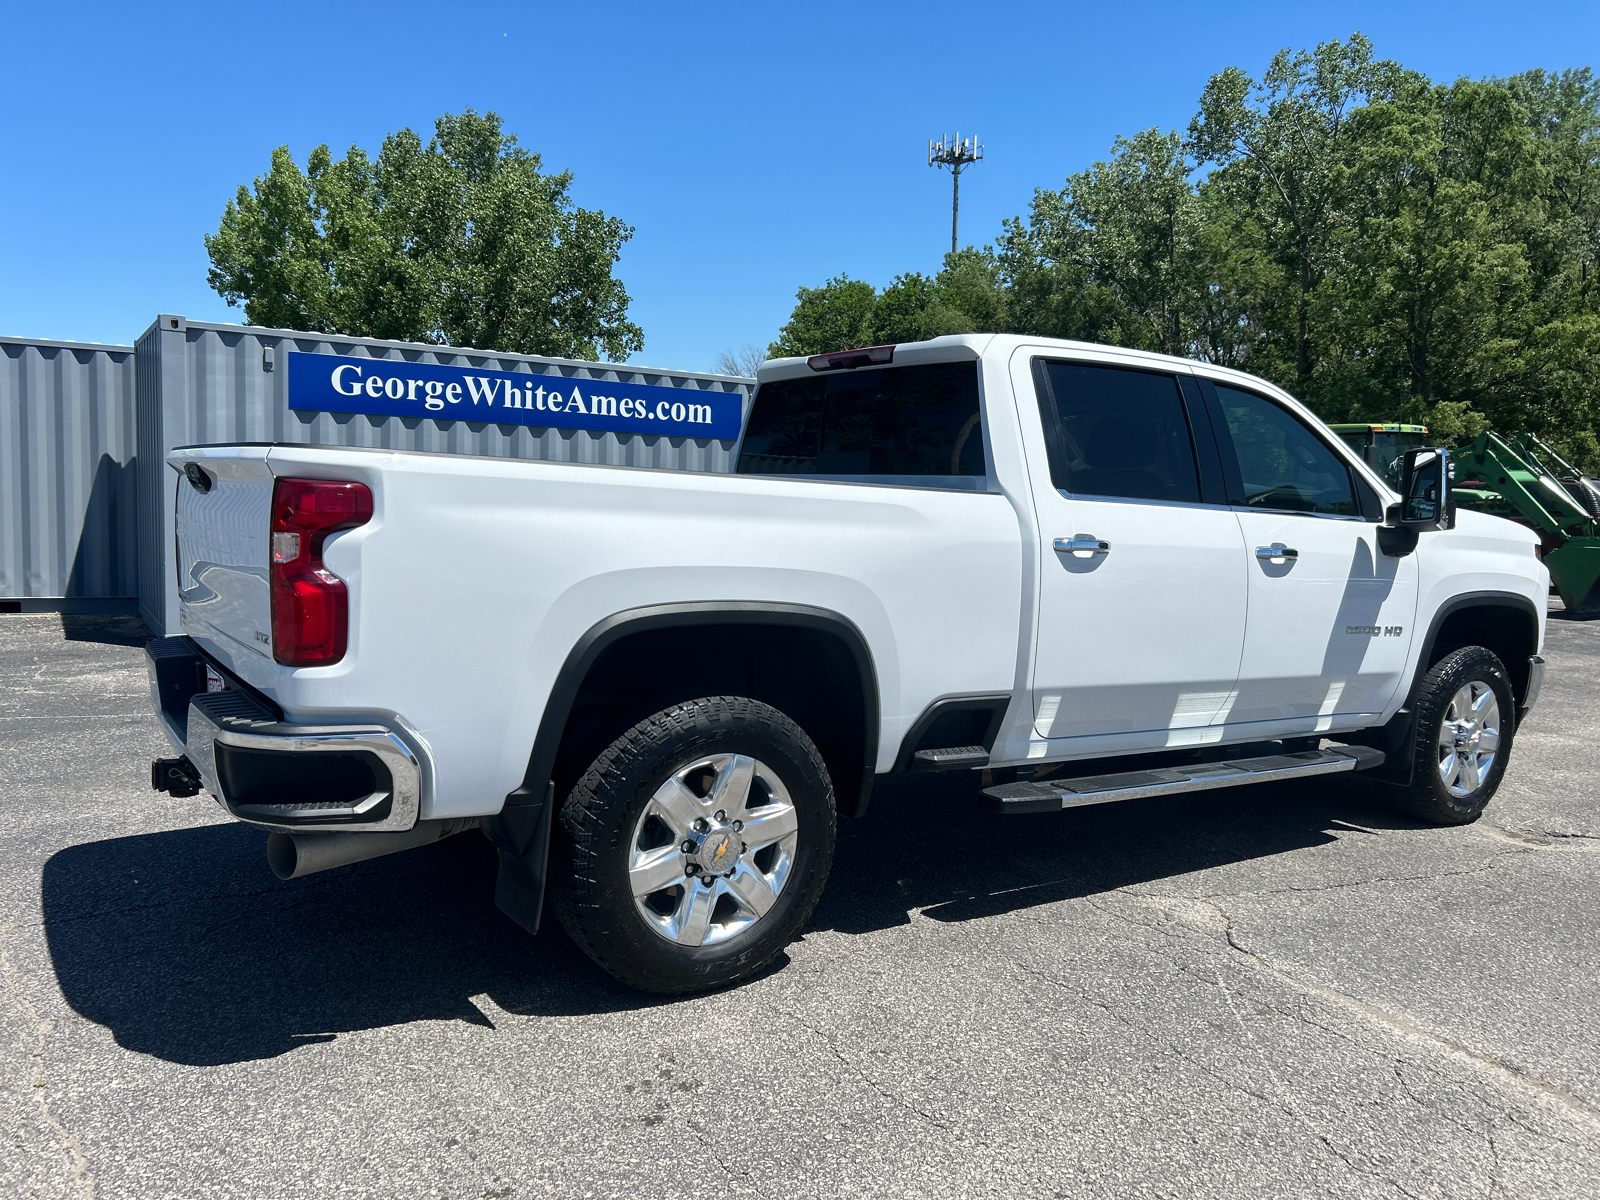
[[269, 772]]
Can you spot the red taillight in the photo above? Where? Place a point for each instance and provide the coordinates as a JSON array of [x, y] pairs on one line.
[[310, 607]]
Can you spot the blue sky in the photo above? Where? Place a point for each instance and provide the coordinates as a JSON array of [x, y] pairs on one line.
[[753, 147]]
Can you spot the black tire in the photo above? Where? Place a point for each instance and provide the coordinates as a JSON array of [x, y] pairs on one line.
[[599, 833], [1429, 796]]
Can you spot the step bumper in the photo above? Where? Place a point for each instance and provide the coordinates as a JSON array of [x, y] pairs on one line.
[[279, 775]]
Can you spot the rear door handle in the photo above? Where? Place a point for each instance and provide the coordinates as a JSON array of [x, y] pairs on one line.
[[1082, 543], [1277, 552]]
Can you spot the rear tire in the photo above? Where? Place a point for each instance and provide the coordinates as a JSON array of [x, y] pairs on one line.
[[694, 848], [1465, 712]]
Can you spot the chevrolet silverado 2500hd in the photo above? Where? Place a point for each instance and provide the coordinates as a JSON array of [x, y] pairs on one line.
[[1095, 574]]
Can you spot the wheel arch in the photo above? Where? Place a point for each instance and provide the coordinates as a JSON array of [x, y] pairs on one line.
[[663, 621], [521, 831], [1504, 622]]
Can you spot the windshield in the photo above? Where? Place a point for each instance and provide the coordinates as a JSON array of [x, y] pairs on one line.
[[1388, 453]]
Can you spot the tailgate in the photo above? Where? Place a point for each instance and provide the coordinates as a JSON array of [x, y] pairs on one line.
[[224, 510]]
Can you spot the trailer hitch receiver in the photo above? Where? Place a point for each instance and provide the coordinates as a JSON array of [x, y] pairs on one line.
[[175, 776]]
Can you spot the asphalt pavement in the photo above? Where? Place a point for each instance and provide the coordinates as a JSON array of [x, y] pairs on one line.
[[1264, 992]]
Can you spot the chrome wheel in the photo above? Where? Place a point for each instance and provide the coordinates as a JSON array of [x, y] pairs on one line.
[[1469, 738], [712, 849]]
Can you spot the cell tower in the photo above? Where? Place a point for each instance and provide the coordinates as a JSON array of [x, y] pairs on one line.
[[955, 154]]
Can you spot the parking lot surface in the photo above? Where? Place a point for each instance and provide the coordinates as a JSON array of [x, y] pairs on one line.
[[1273, 991]]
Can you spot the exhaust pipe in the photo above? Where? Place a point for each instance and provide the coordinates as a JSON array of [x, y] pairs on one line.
[[294, 855]]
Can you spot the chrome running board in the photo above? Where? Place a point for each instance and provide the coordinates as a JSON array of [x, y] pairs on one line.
[[1053, 795]]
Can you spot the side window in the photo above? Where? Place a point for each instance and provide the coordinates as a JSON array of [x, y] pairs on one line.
[[919, 420], [1283, 464], [1117, 432]]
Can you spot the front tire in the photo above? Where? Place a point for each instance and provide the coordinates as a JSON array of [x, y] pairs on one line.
[[695, 846], [1465, 712]]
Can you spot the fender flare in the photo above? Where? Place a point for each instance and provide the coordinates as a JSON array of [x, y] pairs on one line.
[[1396, 738], [1473, 600], [521, 830]]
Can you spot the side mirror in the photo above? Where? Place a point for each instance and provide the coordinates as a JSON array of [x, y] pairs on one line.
[[1424, 501]]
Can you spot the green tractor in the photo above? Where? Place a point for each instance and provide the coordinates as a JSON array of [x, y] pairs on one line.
[[1383, 446], [1523, 480], [1527, 481]]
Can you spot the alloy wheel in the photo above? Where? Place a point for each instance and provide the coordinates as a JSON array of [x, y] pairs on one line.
[[1469, 738], [712, 850]]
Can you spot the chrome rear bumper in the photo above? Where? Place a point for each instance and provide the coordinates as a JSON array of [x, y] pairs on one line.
[[269, 772]]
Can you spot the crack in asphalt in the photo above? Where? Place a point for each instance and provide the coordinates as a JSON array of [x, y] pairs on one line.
[[1496, 1179], [1537, 838], [1487, 865], [1405, 1025], [1285, 1099], [1173, 1047], [1290, 1102], [77, 1165], [699, 1132], [1486, 1066], [872, 1083]]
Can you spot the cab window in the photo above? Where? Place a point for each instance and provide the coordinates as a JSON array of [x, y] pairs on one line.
[[1282, 464], [1113, 431]]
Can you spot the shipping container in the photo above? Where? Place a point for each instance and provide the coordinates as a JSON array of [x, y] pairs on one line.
[[201, 383], [68, 528]]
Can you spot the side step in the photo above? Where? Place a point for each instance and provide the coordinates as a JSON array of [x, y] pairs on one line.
[[950, 758], [1054, 795]]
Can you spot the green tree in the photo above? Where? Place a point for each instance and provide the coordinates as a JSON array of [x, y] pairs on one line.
[[1384, 247], [1281, 149], [845, 313], [835, 316], [464, 241], [1128, 227]]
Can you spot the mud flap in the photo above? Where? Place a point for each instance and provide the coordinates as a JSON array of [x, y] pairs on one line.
[[521, 833]]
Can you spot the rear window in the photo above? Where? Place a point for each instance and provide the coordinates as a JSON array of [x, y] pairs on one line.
[[920, 420]]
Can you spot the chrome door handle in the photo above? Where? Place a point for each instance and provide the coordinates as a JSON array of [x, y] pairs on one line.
[[1277, 552], [1082, 543]]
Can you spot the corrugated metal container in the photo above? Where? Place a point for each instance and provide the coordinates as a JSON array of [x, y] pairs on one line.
[[68, 533], [203, 383]]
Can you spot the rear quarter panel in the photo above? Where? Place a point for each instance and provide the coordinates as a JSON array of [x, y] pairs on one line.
[[476, 577]]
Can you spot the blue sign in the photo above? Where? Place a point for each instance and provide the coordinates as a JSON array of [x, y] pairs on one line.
[[332, 383]]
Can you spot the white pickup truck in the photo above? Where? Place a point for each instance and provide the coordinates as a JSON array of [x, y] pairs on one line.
[[1092, 574]]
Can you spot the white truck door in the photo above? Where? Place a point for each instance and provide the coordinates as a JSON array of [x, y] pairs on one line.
[[1331, 617], [1142, 570]]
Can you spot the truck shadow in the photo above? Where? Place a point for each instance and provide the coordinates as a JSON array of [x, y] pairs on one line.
[[185, 947], [926, 845]]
